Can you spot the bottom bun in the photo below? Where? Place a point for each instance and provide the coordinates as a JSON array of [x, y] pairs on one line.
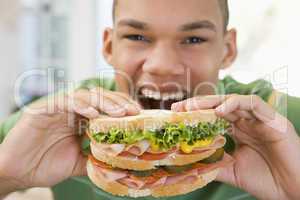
[[119, 189]]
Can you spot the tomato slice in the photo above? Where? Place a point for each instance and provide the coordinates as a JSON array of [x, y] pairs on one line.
[[126, 154], [158, 174], [156, 156], [146, 155], [151, 180], [98, 163], [161, 173]]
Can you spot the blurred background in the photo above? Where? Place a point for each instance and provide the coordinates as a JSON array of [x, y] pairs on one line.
[[60, 40], [57, 40]]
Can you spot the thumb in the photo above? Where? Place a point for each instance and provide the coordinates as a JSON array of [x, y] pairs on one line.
[[80, 167], [226, 175]]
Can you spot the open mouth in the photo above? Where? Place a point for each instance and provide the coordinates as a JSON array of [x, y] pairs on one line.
[[151, 99]]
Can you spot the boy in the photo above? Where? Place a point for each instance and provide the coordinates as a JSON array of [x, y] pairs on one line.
[[167, 54]]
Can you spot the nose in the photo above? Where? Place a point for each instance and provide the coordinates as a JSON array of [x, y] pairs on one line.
[[163, 61]]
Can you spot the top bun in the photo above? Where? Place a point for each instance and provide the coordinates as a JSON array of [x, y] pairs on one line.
[[150, 119]]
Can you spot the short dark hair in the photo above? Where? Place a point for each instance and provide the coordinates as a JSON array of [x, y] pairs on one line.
[[223, 6]]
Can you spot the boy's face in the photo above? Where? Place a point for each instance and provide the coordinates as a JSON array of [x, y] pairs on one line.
[[164, 51]]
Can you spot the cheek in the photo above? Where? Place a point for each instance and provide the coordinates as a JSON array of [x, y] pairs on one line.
[[204, 60], [203, 65], [128, 60]]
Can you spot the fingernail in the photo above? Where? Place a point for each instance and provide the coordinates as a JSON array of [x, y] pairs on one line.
[[136, 105], [220, 109], [139, 107], [137, 110], [174, 106]]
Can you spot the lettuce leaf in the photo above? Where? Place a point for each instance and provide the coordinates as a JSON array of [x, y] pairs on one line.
[[166, 137]]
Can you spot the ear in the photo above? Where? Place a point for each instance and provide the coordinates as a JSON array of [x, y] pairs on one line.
[[230, 48], [107, 45]]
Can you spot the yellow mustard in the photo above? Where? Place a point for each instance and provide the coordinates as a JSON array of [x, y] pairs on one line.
[[154, 147], [186, 148]]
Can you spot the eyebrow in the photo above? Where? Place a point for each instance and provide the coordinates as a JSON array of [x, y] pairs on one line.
[[199, 25], [205, 24], [133, 24]]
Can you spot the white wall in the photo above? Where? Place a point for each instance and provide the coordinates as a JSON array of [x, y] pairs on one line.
[[268, 42], [104, 20], [9, 54], [88, 21], [9, 64], [82, 43]]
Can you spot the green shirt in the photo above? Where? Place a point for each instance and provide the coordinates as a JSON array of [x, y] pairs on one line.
[[80, 188]]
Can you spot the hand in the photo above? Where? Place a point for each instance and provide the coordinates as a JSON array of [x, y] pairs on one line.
[[267, 157], [43, 148]]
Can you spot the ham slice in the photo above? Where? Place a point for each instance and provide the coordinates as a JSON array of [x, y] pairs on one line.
[[179, 178], [189, 179], [110, 174], [142, 184], [186, 177], [125, 178], [138, 148], [111, 149], [142, 147], [159, 182], [132, 183]]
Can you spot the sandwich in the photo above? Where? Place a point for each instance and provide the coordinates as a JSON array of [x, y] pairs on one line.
[[157, 153]]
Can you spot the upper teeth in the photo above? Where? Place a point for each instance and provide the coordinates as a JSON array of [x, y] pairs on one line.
[[162, 96], [151, 94]]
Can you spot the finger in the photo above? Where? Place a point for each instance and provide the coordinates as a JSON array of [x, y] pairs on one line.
[[237, 115], [71, 104], [231, 117], [195, 103], [127, 97], [226, 175], [111, 108], [205, 102], [199, 102], [179, 106], [252, 103], [84, 109], [244, 114], [119, 101], [132, 107], [97, 98]]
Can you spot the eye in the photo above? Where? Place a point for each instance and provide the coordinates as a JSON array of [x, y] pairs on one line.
[[136, 38], [194, 40]]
